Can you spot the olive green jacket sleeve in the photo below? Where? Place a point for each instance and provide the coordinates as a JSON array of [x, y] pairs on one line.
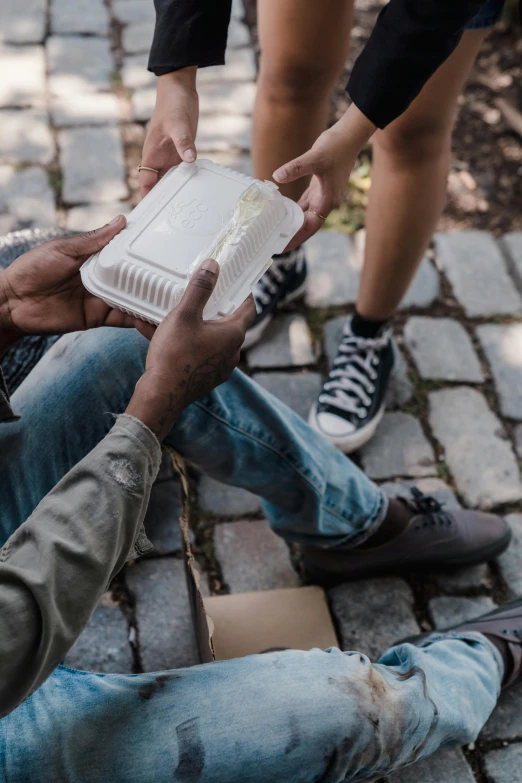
[[55, 567]]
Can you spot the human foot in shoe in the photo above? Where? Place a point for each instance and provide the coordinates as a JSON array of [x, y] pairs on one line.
[[503, 627], [351, 403], [282, 283], [420, 536]]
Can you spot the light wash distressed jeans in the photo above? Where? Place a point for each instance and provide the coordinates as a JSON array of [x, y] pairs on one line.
[[293, 717]]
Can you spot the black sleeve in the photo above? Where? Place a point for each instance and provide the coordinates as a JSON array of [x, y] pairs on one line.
[[189, 32], [410, 40]]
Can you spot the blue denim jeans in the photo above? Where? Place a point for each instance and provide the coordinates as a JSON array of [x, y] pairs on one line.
[[291, 716]]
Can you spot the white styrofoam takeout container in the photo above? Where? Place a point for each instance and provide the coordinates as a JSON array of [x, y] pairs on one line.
[[145, 269]]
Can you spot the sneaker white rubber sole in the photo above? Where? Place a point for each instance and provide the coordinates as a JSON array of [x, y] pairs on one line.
[[353, 441], [254, 334]]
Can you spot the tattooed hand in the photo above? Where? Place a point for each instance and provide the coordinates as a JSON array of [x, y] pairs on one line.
[[188, 356]]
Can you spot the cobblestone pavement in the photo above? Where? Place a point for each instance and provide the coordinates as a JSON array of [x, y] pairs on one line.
[[74, 99]]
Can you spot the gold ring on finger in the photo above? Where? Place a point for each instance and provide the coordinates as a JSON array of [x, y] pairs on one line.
[[321, 217]]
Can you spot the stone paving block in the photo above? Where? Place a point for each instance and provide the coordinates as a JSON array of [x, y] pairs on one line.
[[477, 450], [238, 35], [503, 766], [518, 440], [143, 102], [227, 98], [449, 610], [510, 562], [92, 165], [512, 243], [23, 76], [503, 348], [78, 65], [23, 21], [334, 266], [134, 73], [373, 614], [95, 215], [239, 66], [399, 448], [166, 636], [103, 645], [223, 500], [287, 341], [26, 137], [101, 108], [252, 557], [133, 11], [424, 288], [27, 196], [223, 133], [448, 765], [162, 518], [477, 272], [442, 349], [400, 389], [79, 16], [137, 38], [299, 391], [506, 721]]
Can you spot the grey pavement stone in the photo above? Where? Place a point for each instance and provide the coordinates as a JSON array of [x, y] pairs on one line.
[[163, 616], [238, 10], [23, 76], [162, 517], [137, 38], [424, 288], [510, 562], [373, 614], [99, 108], [399, 448], [449, 610], [95, 215], [134, 73], [252, 557], [103, 645], [334, 266], [27, 196], [223, 500], [238, 35], [400, 389], [287, 341], [297, 390], [133, 11], [503, 348], [78, 65], [441, 348], [79, 16], [503, 766], [506, 721], [477, 272], [142, 102], [239, 66], [448, 765], [518, 440], [92, 165], [23, 21], [477, 450], [26, 137], [465, 578], [227, 97], [223, 133], [512, 243]]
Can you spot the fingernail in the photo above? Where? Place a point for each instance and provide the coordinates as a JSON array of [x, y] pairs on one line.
[[279, 175], [210, 265], [189, 156], [115, 220]]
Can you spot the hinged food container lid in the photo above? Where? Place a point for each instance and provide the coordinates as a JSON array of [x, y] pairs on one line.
[[196, 211]]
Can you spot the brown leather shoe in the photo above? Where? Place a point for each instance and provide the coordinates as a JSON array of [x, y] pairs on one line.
[[504, 623], [435, 539]]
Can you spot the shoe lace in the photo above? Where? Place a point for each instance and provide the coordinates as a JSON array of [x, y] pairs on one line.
[[432, 510], [274, 277], [351, 379]]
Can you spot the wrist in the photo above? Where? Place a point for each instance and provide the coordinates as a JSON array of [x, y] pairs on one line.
[[185, 78], [355, 128], [9, 334], [155, 405]]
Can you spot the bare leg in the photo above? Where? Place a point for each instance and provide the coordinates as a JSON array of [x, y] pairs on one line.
[[411, 162], [304, 44]]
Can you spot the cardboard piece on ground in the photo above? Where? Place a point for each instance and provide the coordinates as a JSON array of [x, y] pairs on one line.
[[231, 626]]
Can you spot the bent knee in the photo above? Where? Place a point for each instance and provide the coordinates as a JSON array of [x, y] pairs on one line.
[[415, 140], [294, 81]]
